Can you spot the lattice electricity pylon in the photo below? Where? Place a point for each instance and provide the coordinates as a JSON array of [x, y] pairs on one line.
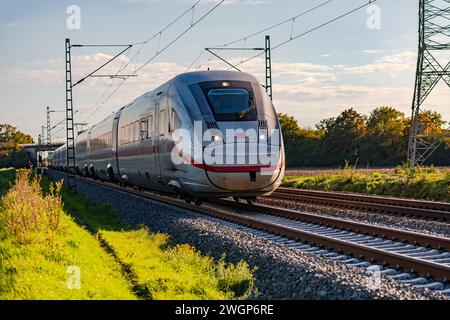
[[434, 39]]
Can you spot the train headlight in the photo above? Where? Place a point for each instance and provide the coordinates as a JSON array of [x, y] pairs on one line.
[[217, 139], [262, 137]]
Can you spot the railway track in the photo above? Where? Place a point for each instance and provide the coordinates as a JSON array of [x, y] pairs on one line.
[[418, 208], [425, 255]]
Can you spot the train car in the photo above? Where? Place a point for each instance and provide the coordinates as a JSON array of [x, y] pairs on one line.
[[59, 158], [100, 158], [223, 116], [82, 154]]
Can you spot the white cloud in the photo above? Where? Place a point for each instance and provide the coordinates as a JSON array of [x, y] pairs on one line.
[[372, 51], [392, 64], [15, 23]]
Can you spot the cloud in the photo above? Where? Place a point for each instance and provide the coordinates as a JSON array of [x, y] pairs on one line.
[[372, 51], [15, 23], [393, 64]]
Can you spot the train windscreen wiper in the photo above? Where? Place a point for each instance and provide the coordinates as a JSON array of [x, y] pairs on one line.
[[243, 113]]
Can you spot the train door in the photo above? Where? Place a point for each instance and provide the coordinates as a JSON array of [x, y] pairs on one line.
[[115, 145], [161, 111], [147, 149], [157, 138]]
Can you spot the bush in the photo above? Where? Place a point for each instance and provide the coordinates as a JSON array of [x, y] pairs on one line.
[[28, 214]]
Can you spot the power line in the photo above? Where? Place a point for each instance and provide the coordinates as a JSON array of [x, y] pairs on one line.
[[98, 103], [195, 60], [275, 25], [244, 39], [193, 24], [158, 52], [292, 38], [62, 121], [142, 45], [171, 23]]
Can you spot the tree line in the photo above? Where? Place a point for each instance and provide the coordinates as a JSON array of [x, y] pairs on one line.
[[11, 155], [380, 139]]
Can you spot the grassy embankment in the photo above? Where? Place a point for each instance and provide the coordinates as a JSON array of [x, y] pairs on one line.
[[422, 183], [39, 241]]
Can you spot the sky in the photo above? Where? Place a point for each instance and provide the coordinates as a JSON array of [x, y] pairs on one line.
[[364, 60]]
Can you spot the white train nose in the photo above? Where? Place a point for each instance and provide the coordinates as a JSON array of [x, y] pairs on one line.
[[249, 167]]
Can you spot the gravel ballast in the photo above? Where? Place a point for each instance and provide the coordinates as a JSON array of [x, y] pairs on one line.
[[281, 272], [415, 224]]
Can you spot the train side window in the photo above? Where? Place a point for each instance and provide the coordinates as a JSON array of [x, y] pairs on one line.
[[137, 130], [144, 128], [162, 122], [175, 122], [130, 133], [150, 126]]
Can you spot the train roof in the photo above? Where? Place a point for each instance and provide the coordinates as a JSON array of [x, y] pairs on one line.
[[212, 75]]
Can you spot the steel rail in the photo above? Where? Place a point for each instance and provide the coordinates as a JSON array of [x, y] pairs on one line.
[[370, 229], [427, 209]]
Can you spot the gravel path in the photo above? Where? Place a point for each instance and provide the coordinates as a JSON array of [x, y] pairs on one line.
[[282, 272], [425, 226]]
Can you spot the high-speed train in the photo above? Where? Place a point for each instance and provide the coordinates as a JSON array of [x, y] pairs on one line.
[[201, 135]]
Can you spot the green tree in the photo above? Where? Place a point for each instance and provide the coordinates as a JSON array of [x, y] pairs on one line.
[[10, 153], [378, 140], [386, 137], [343, 137], [289, 125]]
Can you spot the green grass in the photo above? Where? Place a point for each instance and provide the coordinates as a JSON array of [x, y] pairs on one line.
[[35, 271], [423, 183], [40, 240], [178, 273]]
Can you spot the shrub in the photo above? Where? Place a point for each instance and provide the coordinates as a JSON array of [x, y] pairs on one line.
[[30, 215]]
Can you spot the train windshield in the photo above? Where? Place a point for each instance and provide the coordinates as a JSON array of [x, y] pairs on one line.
[[230, 101]]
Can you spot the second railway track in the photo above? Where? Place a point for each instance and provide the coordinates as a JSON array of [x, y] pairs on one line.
[[418, 208]]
